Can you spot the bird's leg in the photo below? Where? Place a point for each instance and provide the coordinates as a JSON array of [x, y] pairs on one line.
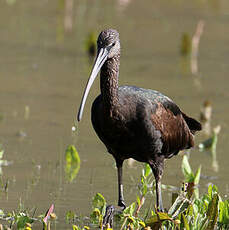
[[157, 168], [159, 196], [111, 209], [121, 202]]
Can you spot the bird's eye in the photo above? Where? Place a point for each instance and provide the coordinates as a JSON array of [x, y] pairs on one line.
[[113, 44]]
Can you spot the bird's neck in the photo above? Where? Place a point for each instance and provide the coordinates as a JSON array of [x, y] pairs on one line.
[[109, 84]]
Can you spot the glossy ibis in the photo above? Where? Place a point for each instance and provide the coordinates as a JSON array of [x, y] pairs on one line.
[[134, 122]]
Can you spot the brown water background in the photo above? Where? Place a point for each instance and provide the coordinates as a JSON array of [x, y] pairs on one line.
[[44, 68]]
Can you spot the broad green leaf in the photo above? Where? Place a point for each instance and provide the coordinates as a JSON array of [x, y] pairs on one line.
[[99, 201], [72, 162], [71, 155]]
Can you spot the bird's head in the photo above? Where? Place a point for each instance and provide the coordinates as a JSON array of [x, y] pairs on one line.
[[109, 41], [108, 46]]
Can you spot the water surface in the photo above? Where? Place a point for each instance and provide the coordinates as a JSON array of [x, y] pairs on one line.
[[44, 69]]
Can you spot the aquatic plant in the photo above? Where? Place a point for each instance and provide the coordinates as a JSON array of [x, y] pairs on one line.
[[72, 163], [185, 48], [90, 44], [187, 210], [207, 212]]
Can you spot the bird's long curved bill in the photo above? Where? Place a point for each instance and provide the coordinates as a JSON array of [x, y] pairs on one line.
[[100, 59]]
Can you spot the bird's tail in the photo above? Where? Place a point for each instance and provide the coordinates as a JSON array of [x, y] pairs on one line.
[[193, 124]]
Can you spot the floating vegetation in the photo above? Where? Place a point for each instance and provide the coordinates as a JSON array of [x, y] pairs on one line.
[[72, 162], [50, 215], [2, 161], [185, 48], [186, 211], [23, 219], [211, 142], [90, 44], [210, 145], [10, 2], [27, 112], [205, 117], [207, 212], [1, 117], [21, 134], [190, 177], [190, 46], [195, 46], [206, 111]]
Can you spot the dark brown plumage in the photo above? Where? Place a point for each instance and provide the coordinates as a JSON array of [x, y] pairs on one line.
[[134, 122]]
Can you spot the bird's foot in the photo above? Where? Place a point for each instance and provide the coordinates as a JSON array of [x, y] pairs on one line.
[[122, 204], [108, 217], [109, 214], [160, 209]]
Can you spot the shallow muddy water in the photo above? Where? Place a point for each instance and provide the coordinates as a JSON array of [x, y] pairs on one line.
[[44, 68]]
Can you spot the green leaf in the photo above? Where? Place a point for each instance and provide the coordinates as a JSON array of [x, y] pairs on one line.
[[180, 205], [211, 142], [22, 220], [71, 155], [186, 169], [214, 189], [186, 165], [99, 201], [1, 153], [70, 216], [210, 191], [74, 227], [72, 162], [212, 212], [1, 212], [184, 222], [197, 176], [185, 47], [147, 170], [138, 200], [155, 221], [207, 144], [130, 209], [203, 222], [224, 212], [144, 189]]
